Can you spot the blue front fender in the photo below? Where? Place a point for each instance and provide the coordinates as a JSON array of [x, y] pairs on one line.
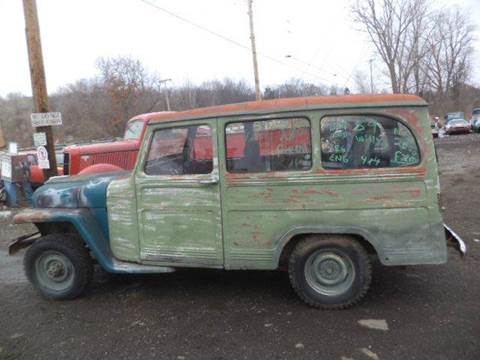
[[84, 222], [90, 229]]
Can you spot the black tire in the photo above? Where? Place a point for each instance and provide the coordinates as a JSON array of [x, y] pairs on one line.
[[59, 266], [318, 257]]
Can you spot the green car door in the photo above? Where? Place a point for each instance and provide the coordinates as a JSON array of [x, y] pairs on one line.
[[178, 197]]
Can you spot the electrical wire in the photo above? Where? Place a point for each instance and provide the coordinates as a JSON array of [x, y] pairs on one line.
[[225, 38]]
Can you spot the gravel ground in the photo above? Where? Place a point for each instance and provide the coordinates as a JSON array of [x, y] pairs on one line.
[[422, 312]]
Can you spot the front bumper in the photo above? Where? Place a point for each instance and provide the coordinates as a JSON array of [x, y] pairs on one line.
[[22, 242], [453, 240]]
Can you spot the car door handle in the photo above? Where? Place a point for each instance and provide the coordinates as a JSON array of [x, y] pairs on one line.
[[211, 181]]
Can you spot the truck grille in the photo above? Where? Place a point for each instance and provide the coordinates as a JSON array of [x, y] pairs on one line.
[[125, 160]]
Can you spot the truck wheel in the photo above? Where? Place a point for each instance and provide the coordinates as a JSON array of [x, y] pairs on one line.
[[329, 272], [59, 266]]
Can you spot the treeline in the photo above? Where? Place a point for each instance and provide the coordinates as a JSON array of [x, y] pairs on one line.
[[98, 108], [426, 49]]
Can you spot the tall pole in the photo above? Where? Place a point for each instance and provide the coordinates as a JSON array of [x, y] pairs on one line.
[[167, 96], [371, 76], [37, 76], [258, 93]]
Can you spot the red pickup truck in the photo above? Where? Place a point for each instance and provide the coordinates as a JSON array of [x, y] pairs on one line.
[[122, 155], [109, 156]]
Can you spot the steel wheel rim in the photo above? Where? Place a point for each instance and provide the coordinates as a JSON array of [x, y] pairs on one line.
[[329, 273], [54, 271]]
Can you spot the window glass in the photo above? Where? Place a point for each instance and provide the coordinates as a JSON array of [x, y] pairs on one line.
[[269, 145], [352, 142], [180, 151], [133, 130]]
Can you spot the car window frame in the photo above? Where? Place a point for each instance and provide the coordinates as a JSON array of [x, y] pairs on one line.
[[393, 117], [150, 133], [246, 118]]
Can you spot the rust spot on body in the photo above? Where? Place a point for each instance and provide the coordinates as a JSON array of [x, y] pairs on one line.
[[31, 216], [321, 192], [276, 104]]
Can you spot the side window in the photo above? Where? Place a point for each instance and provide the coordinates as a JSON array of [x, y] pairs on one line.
[[183, 150], [269, 145], [353, 142]]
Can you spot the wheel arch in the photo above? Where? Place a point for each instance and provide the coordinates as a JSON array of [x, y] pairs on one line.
[[288, 241], [79, 221]]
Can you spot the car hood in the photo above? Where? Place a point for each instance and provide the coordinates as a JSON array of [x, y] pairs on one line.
[[103, 147], [83, 191]]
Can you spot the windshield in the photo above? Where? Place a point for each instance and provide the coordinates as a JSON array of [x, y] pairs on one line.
[[455, 115], [133, 130]]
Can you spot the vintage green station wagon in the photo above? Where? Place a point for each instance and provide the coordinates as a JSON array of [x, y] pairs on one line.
[[318, 186]]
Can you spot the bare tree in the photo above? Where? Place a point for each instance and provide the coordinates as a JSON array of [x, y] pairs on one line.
[[395, 27], [361, 82], [131, 87], [450, 52]]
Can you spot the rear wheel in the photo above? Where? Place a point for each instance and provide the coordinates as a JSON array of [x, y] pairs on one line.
[[330, 272], [59, 266]]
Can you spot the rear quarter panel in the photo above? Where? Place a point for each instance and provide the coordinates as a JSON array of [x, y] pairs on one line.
[[395, 209]]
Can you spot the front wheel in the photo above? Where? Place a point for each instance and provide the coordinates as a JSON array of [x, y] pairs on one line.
[[59, 266], [330, 272]]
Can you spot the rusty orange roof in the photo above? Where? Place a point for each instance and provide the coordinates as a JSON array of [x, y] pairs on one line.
[[284, 104]]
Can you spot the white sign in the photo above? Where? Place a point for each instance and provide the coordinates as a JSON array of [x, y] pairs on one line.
[[39, 139], [13, 148], [42, 158], [6, 169], [46, 119]]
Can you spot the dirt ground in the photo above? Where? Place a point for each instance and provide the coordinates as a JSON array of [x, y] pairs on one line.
[[422, 312]]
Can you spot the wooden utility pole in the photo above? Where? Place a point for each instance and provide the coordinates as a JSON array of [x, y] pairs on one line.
[[37, 76], [258, 92]]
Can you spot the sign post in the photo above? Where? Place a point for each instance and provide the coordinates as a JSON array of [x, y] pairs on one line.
[[42, 158], [46, 119], [39, 85]]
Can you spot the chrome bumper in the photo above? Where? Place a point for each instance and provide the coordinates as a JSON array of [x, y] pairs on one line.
[[455, 241]]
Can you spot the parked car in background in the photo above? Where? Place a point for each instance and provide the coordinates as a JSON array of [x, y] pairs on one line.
[[37, 177], [475, 120], [318, 186], [475, 124], [454, 115], [458, 126], [107, 156]]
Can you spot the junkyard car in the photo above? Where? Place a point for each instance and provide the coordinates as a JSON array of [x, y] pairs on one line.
[[316, 185], [111, 156], [454, 115], [458, 126], [476, 125]]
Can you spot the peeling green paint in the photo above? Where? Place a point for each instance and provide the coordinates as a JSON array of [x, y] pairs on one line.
[[244, 220]]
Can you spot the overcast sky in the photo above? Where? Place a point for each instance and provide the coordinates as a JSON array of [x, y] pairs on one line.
[[323, 44]]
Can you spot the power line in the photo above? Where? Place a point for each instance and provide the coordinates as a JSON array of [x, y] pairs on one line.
[[201, 27], [223, 37]]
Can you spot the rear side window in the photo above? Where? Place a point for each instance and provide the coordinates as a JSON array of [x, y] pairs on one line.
[[269, 145], [183, 150], [354, 142]]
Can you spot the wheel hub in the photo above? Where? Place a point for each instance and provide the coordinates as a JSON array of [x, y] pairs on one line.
[[54, 271], [330, 269], [329, 273]]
